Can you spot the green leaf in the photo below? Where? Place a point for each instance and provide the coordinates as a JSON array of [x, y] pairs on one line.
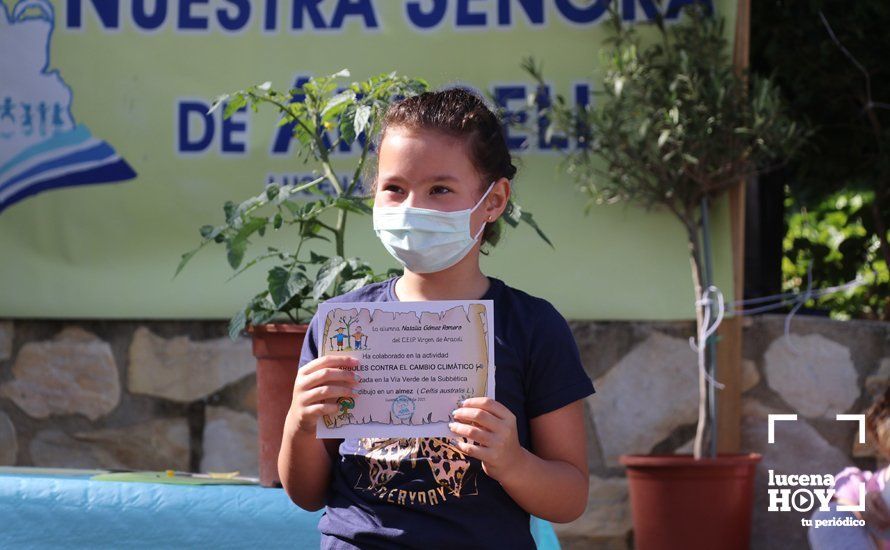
[[238, 244], [184, 260], [353, 204], [236, 103], [283, 285], [260, 315], [216, 102], [527, 218], [337, 104], [362, 117], [235, 249], [229, 210], [512, 214], [237, 324], [352, 284], [347, 124], [316, 258], [327, 273]]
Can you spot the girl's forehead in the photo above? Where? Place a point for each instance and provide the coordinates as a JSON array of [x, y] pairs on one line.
[[400, 141], [423, 155]]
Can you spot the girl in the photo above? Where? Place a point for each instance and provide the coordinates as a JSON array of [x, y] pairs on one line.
[[442, 181]]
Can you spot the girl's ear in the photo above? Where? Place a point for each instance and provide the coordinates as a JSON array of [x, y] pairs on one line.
[[499, 197]]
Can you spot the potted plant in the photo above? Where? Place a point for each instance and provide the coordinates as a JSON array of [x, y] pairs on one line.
[[298, 279], [676, 125]]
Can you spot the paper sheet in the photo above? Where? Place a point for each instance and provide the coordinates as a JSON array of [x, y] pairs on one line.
[[417, 361]]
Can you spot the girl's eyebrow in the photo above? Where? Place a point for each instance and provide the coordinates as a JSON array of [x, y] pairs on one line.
[[432, 179]]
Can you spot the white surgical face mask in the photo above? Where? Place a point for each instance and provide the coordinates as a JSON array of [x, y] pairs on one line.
[[425, 240]]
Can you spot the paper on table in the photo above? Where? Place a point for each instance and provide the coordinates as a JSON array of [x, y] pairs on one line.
[[417, 360]]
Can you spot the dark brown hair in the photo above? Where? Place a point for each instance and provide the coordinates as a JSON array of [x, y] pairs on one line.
[[459, 113], [876, 418]]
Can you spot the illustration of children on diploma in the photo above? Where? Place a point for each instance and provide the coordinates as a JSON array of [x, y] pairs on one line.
[[343, 337], [424, 359], [340, 338], [357, 338]]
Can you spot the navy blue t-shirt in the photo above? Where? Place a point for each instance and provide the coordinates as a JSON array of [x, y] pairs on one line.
[[425, 493]]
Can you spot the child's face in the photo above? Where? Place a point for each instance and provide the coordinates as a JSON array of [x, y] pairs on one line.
[[426, 169]]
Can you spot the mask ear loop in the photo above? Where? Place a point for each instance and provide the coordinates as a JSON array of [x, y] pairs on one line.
[[488, 219]]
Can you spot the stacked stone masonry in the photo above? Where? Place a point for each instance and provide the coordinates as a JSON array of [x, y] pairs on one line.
[[182, 395]]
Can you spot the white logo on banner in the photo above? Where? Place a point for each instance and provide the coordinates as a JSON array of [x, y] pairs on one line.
[[42, 147]]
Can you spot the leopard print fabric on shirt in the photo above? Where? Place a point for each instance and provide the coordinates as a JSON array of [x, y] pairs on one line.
[[385, 456]]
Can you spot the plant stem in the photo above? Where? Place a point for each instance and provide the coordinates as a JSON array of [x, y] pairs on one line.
[[340, 233], [695, 264], [361, 163], [710, 351]]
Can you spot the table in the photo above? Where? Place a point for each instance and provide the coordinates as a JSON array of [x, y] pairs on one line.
[[60, 508]]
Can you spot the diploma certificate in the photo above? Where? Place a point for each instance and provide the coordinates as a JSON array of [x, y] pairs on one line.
[[417, 361]]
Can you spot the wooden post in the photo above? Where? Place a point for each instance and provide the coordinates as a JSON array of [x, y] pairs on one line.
[[729, 344]]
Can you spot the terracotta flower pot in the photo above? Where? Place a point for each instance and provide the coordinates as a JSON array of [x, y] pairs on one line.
[[678, 502], [277, 350]]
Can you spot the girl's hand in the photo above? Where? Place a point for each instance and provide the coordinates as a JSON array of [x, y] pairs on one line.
[[492, 427], [317, 386]]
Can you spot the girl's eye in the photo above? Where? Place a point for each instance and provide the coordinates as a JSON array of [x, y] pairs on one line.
[[393, 188], [438, 190]]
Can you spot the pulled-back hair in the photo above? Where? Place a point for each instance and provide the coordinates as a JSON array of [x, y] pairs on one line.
[[876, 421], [459, 113]]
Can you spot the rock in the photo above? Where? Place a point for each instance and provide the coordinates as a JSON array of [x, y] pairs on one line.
[[6, 333], [798, 449], [157, 444], [816, 376], [56, 449], [876, 384], [686, 448], [73, 373], [8, 446], [750, 375], [606, 521], [184, 371], [650, 392], [248, 400], [230, 442]]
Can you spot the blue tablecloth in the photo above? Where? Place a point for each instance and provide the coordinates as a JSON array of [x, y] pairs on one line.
[[70, 510]]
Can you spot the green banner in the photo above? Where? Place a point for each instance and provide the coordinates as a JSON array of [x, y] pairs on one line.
[[109, 162]]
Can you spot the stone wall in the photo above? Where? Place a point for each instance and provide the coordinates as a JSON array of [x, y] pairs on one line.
[[824, 368], [181, 395], [153, 395], [646, 401]]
